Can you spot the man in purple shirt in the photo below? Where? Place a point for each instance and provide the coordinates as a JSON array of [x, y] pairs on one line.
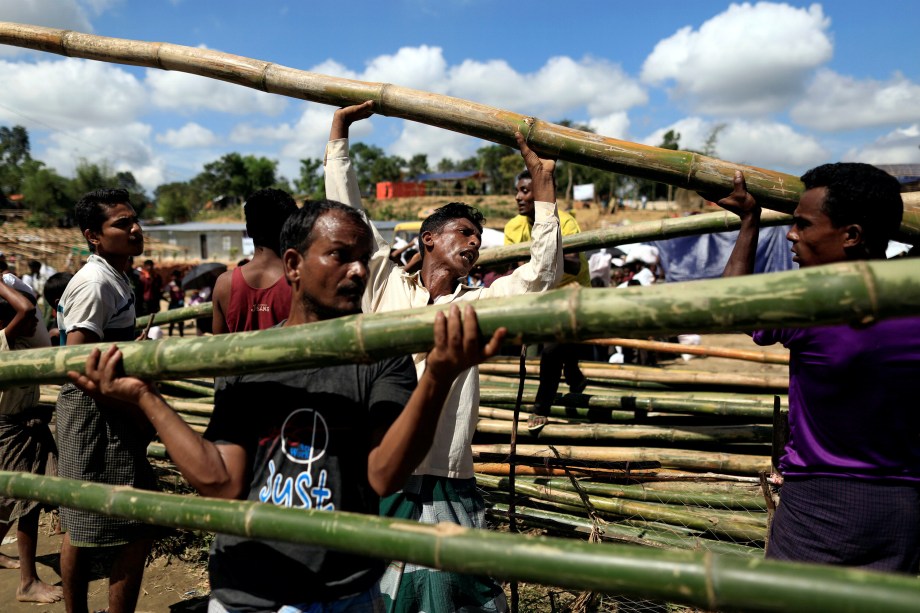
[[851, 468]]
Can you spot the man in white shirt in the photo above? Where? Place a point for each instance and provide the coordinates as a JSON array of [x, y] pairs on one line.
[[442, 487]]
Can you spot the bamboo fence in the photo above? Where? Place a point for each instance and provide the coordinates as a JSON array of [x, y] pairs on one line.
[[686, 169], [702, 579], [853, 291]]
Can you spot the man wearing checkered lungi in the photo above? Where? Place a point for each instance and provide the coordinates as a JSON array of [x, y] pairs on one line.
[[443, 487], [98, 440], [851, 468]]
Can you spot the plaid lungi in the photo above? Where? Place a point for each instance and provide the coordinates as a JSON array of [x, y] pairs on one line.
[[851, 522], [102, 445], [408, 588], [26, 445]]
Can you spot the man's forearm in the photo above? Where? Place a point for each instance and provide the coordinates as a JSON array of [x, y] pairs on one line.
[[744, 253], [198, 459], [409, 438]]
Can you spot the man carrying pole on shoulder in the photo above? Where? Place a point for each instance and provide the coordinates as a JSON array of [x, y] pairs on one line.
[[332, 438]]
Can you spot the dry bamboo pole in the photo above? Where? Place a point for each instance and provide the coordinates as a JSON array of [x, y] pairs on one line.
[[686, 459], [703, 350], [618, 372], [188, 386], [725, 523], [646, 537], [751, 500], [772, 189], [852, 291], [703, 579], [647, 403], [659, 229], [634, 433], [499, 386]]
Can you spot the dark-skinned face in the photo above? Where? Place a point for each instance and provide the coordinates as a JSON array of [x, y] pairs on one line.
[[455, 245], [524, 198], [815, 240]]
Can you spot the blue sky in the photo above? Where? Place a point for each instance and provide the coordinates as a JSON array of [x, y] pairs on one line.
[[794, 84]]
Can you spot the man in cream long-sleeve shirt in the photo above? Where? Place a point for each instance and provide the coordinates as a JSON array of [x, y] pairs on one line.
[[442, 487]]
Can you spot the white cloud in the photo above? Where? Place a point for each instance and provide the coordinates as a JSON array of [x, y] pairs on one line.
[[756, 143], [188, 93], [189, 136], [69, 94], [837, 102], [750, 59], [901, 146], [124, 148], [421, 67], [436, 143], [615, 125]]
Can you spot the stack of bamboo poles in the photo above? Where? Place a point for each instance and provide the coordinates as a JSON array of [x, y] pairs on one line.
[[644, 455]]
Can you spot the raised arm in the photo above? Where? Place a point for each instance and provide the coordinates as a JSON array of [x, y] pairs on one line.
[[544, 269], [742, 204], [342, 186], [214, 470], [457, 347], [23, 321]]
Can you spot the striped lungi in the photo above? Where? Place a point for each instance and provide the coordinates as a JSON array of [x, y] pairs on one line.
[[851, 522], [408, 588], [102, 445], [26, 445]]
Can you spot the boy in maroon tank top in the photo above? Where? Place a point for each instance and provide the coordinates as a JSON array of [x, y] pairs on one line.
[[256, 295]]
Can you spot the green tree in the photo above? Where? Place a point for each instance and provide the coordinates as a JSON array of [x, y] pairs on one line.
[[418, 165], [311, 183], [712, 139], [15, 152], [238, 175], [489, 161], [48, 196], [372, 166], [177, 202]]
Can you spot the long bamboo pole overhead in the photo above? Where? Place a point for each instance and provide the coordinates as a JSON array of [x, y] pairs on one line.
[[711, 581], [853, 291], [774, 190]]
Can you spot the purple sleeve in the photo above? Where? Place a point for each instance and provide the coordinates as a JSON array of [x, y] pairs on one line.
[[771, 337]]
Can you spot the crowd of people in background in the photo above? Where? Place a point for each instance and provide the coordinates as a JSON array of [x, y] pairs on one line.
[[398, 432]]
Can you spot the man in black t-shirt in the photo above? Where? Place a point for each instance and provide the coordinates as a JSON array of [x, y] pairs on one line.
[[333, 438]]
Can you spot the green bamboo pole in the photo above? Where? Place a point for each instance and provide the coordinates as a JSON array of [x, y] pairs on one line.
[[702, 579], [191, 387], [659, 229], [725, 523], [687, 459], [853, 291], [773, 190], [174, 315], [647, 537], [751, 500], [633, 433]]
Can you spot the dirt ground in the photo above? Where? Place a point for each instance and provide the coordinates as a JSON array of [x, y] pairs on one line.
[[178, 586]]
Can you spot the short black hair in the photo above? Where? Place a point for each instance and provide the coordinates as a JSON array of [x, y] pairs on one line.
[[266, 211], [55, 286], [524, 174], [445, 214], [90, 210], [860, 194], [297, 232]]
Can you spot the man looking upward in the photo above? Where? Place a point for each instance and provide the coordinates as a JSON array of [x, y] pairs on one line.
[[442, 487]]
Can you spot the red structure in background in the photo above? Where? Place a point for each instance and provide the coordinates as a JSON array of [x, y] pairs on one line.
[[400, 189]]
